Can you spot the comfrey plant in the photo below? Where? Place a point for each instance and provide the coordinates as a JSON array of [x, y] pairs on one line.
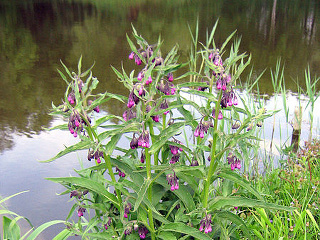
[[174, 180]]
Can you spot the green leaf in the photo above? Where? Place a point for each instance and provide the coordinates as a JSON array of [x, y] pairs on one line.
[[183, 228], [142, 192], [64, 234], [11, 230], [167, 236], [41, 228], [13, 195], [231, 201], [236, 178], [85, 144], [163, 137], [235, 219], [88, 184]]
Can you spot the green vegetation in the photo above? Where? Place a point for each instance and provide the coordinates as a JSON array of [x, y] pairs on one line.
[[181, 161]]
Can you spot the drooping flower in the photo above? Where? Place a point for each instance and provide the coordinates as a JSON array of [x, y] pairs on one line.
[[202, 128], [173, 181], [220, 116], [205, 224], [233, 161], [127, 208], [71, 98], [81, 210], [143, 140], [143, 231], [121, 174], [170, 77], [134, 142], [129, 114]]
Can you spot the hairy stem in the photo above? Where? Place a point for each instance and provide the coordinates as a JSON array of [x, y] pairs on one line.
[[213, 162]]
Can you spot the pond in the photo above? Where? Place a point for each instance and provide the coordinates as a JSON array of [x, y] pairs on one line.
[[35, 35]]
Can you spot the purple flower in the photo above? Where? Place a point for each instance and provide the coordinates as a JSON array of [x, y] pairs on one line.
[[220, 116], [205, 224], [170, 77], [131, 55], [173, 181], [134, 142], [121, 174], [128, 114], [71, 98], [137, 60], [127, 208], [149, 80], [143, 140], [202, 128], [81, 210], [143, 157], [233, 161], [143, 231], [194, 162], [174, 159]]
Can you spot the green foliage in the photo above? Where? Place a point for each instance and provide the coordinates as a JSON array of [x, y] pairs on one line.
[[167, 188], [11, 229]]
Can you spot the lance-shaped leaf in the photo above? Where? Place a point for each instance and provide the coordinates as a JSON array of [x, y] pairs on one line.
[[85, 144], [235, 219], [163, 137], [184, 229], [231, 201], [41, 228], [228, 174], [88, 184]]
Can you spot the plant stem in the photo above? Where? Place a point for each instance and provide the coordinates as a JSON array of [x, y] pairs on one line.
[[148, 168], [213, 162]]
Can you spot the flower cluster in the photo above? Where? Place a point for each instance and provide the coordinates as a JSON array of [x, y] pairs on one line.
[[121, 174], [143, 231], [202, 128], [164, 105], [78, 193], [166, 87], [228, 99], [142, 141], [97, 155], [205, 224], [129, 114], [194, 163], [155, 118], [71, 98], [106, 225], [173, 181], [145, 54], [233, 161], [223, 80], [127, 208], [96, 109], [75, 123], [220, 116], [81, 210]]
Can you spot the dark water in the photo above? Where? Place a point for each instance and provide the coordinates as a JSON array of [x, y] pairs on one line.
[[35, 35]]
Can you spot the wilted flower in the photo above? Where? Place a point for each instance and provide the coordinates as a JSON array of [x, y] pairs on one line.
[[97, 155], [106, 225], [134, 142], [143, 157], [236, 125], [175, 158], [128, 230], [194, 162], [164, 105]]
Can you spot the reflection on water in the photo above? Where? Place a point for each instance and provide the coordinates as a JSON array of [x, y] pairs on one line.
[[35, 35]]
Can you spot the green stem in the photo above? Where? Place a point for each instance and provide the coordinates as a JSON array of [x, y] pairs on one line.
[[148, 168], [213, 162]]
